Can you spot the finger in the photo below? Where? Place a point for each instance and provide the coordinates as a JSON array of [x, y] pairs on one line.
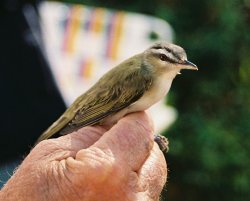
[[68, 145], [129, 141], [153, 173], [82, 138]]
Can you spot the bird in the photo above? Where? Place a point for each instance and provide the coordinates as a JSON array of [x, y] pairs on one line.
[[134, 85]]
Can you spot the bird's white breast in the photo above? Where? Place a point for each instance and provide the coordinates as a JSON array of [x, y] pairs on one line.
[[159, 89]]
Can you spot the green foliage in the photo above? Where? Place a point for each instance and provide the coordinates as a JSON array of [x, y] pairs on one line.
[[213, 124], [209, 143]]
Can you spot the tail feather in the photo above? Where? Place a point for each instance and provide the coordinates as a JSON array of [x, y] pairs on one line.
[[53, 129]]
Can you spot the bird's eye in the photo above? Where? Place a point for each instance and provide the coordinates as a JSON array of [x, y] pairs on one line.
[[163, 57]]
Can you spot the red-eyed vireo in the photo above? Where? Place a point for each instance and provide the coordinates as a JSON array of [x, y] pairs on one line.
[[134, 85]]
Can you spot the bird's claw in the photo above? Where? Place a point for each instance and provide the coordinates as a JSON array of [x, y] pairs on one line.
[[162, 142]]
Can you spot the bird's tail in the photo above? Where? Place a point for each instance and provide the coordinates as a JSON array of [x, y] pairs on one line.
[[53, 129]]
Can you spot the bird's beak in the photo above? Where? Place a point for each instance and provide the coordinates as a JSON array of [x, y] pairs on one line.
[[188, 65]]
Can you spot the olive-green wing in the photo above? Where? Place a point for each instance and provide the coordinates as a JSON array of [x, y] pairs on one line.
[[97, 113], [109, 100]]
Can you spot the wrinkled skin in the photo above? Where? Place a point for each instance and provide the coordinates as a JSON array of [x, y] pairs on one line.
[[94, 163]]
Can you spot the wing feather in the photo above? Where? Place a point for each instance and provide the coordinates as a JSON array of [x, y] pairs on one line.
[[101, 110], [109, 100]]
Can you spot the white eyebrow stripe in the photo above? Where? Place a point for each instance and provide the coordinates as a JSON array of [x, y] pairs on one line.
[[162, 51]]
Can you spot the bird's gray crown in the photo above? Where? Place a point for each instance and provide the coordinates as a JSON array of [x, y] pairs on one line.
[[169, 52]]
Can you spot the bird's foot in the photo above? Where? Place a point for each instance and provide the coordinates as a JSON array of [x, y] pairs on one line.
[[162, 142]]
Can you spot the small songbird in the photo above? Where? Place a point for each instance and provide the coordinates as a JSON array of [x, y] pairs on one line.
[[134, 85]]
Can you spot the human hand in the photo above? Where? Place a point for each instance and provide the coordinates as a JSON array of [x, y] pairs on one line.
[[94, 163]]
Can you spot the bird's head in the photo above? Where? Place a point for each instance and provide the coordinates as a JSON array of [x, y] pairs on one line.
[[167, 57]]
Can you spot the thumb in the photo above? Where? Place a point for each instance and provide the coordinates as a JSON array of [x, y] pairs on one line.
[[130, 140]]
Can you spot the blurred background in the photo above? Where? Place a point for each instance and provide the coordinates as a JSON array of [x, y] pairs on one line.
[[209, 157]]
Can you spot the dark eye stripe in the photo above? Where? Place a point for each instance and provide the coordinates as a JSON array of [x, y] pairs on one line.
[[171, 60], [164, 57], [173, 53]]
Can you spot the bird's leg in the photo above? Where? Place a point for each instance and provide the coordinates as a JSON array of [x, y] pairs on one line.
[[162, 142]]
